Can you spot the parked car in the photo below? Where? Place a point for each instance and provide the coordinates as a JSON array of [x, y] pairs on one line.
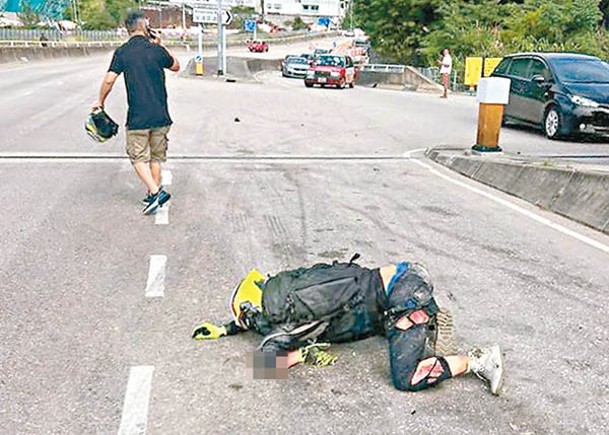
[[308, 56], [319, 51], [258, 46], [562, 93], [332, 70], [295, 67]]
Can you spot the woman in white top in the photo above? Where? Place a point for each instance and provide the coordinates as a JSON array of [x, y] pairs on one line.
[[446, 66]]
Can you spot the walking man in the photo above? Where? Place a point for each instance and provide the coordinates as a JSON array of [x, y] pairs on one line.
[[143, 59], [446, 67]]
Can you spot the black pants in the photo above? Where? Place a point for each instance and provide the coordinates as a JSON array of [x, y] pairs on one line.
[[412, 287]]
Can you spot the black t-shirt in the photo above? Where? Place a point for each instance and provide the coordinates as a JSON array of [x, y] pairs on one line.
[[143, 64]]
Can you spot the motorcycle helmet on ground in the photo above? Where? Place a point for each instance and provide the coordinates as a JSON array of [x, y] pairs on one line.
[[99, 126], [247, 293]]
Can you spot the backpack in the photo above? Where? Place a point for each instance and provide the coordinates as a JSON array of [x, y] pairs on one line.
[[315, 293]]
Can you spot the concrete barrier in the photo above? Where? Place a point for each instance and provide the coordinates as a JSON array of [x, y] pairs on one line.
[[237, 67], [585, 198], [18, 54], [409, 78], [502, 177], [549, 184], [579, 194], [420, 82]]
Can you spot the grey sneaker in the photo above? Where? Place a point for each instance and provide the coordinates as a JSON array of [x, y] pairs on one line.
[[487, 364]]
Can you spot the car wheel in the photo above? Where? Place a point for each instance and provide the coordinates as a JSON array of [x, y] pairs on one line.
[[308, 85], [551, 123], [341, 84]]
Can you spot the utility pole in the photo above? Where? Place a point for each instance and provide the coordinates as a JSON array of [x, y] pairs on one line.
[[220, 41], [184, 18]]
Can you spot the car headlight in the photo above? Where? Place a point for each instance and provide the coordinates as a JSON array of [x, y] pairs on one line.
[[335, 74], [583, 101]]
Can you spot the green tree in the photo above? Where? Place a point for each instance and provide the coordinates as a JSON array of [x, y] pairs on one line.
[[415, 31], [298, 24], [27, 15], [396, 27]]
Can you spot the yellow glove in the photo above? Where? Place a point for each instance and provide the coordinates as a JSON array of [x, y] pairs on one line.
[[208, 331], [315, 355]]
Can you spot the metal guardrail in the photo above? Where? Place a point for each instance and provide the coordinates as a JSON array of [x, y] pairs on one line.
[[383, 68], [207, 39], [60, 44]]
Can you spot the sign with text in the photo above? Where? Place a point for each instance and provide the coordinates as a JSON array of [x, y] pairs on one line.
[[210, 16]]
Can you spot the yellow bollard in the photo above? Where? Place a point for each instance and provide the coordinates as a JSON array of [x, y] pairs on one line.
[[199, 69], [493, 94]]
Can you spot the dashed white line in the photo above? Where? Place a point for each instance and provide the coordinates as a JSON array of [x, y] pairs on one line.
[[527, 213], [162, 215], [155, 287], [135, 408], [166, 177]]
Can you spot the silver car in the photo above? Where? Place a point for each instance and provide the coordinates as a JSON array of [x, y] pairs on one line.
[[295, 67]]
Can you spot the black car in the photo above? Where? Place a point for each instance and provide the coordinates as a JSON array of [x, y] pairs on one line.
[[563, 93]]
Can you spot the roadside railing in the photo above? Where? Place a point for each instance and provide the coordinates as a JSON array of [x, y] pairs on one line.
[[383, 68], [56, 38], [61, 44]]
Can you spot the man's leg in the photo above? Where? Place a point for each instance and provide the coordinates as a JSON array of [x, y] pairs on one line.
[[158, 151], [143, 171], [410, 370], [155, 170], [445, 83], [138, 150]]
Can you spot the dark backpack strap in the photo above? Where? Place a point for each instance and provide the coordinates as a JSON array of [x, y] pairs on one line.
[[354, 258]]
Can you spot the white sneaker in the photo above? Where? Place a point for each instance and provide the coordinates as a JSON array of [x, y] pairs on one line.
[[487, 364]]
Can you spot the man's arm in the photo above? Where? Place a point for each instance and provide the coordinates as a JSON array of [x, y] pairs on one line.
[[175, 64], [105, 89]]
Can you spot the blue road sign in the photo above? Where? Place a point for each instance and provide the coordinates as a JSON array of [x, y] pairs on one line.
[[249, 25], [198, 58], [323, 21]]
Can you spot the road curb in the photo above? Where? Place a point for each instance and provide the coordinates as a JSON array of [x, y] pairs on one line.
[[574, 192]]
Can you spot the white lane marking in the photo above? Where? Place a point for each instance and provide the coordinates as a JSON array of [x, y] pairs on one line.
[[135, 408], [516, 208], [409, 153], [162, 215], [166, 177], [155, 287]]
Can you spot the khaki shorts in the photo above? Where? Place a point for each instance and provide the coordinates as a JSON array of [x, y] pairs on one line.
[[147, 145]]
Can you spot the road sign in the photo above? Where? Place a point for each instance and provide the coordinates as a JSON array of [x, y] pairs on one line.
[[249, 25], [323, 21], [210, 16]]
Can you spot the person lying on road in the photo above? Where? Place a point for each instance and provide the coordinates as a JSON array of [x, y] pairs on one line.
[[299, 312]]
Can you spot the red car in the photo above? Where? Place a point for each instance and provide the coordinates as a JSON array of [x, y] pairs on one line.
[[332, 70], [258, 46]]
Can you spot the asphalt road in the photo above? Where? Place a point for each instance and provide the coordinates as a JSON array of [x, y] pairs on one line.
[[307, 175]]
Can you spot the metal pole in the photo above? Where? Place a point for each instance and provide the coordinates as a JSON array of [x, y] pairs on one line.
[[223, 49], [184, 19], [200, 40], [220, 40]]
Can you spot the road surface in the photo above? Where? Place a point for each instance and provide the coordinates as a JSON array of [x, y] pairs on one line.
[[307, 175]]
